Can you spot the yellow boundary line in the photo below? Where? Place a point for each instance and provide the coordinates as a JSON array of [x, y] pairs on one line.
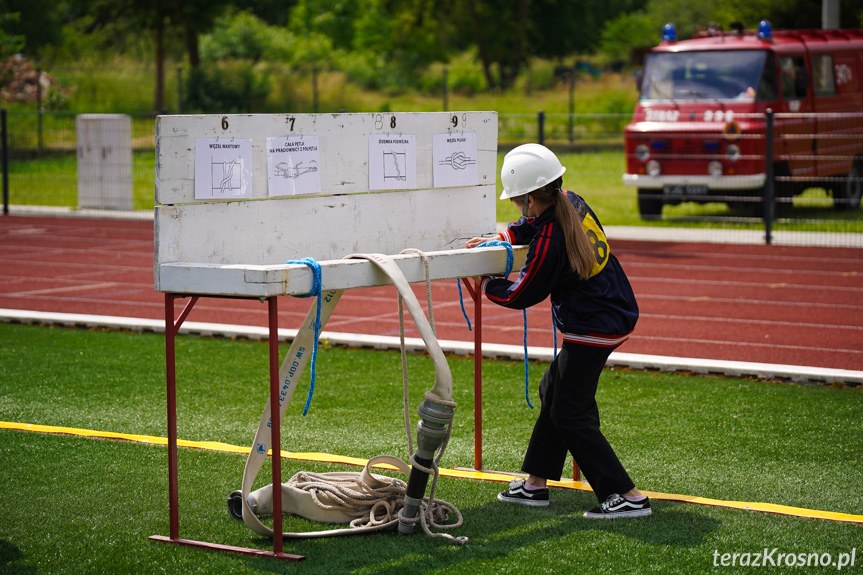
[[461, 474]]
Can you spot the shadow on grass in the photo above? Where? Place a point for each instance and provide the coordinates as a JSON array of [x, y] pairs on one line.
[[497, 532], [9, 554]]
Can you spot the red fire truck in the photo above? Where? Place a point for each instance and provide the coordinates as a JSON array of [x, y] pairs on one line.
[[698, 130]]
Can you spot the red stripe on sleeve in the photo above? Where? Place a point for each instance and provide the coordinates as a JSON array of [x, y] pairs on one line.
[[535, 264]]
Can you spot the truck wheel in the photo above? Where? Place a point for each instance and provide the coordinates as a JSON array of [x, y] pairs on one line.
[[846, 194], [649, 203]]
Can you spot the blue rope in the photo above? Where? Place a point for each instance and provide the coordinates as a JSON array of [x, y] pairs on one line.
[[316, 292], [509, 261], [461, 301], [509, 256]]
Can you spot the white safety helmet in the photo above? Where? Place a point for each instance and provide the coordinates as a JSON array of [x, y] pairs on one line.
[[527, 168]]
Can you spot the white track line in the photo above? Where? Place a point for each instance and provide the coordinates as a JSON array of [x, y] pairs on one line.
[[795, 373]]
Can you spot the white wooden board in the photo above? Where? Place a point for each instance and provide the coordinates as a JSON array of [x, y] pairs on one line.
[[297, 279], [336, 215], [343, 141]]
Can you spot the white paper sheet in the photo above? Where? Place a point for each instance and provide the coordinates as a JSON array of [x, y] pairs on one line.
[[293, 164], [392, 162], [454, 157]]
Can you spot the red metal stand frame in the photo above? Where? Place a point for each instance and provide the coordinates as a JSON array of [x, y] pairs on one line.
[[172, 327]]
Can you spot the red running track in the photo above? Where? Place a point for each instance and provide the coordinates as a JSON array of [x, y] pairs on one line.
[[753, 303]]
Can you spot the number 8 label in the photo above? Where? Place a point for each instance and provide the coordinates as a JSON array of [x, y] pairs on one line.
[[600, 248], [598, 241]]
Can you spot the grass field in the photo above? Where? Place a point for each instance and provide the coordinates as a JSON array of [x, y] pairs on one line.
[[79, 505]]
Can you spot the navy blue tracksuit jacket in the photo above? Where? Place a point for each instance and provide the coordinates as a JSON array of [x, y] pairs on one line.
[[600, 311]]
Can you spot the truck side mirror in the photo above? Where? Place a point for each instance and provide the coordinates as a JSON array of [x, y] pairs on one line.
[[639, 78]]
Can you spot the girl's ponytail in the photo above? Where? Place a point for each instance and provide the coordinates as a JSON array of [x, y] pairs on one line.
[[579, 250]]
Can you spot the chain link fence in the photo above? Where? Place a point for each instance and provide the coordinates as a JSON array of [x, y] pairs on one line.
[[46, 163]]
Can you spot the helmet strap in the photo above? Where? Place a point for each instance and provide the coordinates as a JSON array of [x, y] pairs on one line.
[[525, 205]]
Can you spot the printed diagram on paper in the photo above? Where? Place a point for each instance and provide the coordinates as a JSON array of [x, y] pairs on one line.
[[223, 168], [395, 166], [286, 170], [458, 161], [227, 177], [293, 165], [454, 157], [392, 162]]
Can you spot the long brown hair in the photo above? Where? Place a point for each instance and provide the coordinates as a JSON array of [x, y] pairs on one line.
[[579, 250]]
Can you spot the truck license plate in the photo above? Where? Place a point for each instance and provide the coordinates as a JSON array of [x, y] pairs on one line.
[[685, 190]]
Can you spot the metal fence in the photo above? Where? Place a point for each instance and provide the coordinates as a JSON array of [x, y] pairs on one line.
[[45, 160], [47, 168]]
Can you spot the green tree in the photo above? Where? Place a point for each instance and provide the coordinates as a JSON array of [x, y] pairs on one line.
[[334, 19], [273, 12], [10, 43], [244, 36], [626, 32], [39, 22], [397, 37], [379, 42], [786, 14], [498, 31], [561, 28], [686, 15], [159, 17], [507, 35]]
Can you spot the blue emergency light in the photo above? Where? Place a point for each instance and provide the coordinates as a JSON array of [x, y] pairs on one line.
[[764, 30], [669, 34]]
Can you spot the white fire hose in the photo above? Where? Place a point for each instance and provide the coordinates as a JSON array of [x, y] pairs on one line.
[[365, 500]]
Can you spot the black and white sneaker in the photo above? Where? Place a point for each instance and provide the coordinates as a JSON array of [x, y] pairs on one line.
[[617, 506], [518, 493]]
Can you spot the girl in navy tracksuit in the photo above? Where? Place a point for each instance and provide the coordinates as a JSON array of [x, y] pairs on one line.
[[593, 306]]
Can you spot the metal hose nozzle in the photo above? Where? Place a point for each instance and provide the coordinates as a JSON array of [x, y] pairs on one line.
[[431, 431]]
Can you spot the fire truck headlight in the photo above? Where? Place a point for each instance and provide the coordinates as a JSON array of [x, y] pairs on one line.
[[714, 168], [732, 152], [642, 152], [653, 168]]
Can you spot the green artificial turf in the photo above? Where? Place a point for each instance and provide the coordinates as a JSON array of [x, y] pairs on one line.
[[78, 505]]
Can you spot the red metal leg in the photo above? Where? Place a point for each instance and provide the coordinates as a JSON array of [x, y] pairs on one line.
[[171, 329], [477, 371], [275, 427], [171, 376]]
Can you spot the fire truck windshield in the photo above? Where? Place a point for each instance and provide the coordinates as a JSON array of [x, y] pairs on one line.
[[706, 75]]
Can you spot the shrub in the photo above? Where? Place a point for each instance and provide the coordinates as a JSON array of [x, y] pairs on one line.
[[537, 75], [227, 87], [464, 75]]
